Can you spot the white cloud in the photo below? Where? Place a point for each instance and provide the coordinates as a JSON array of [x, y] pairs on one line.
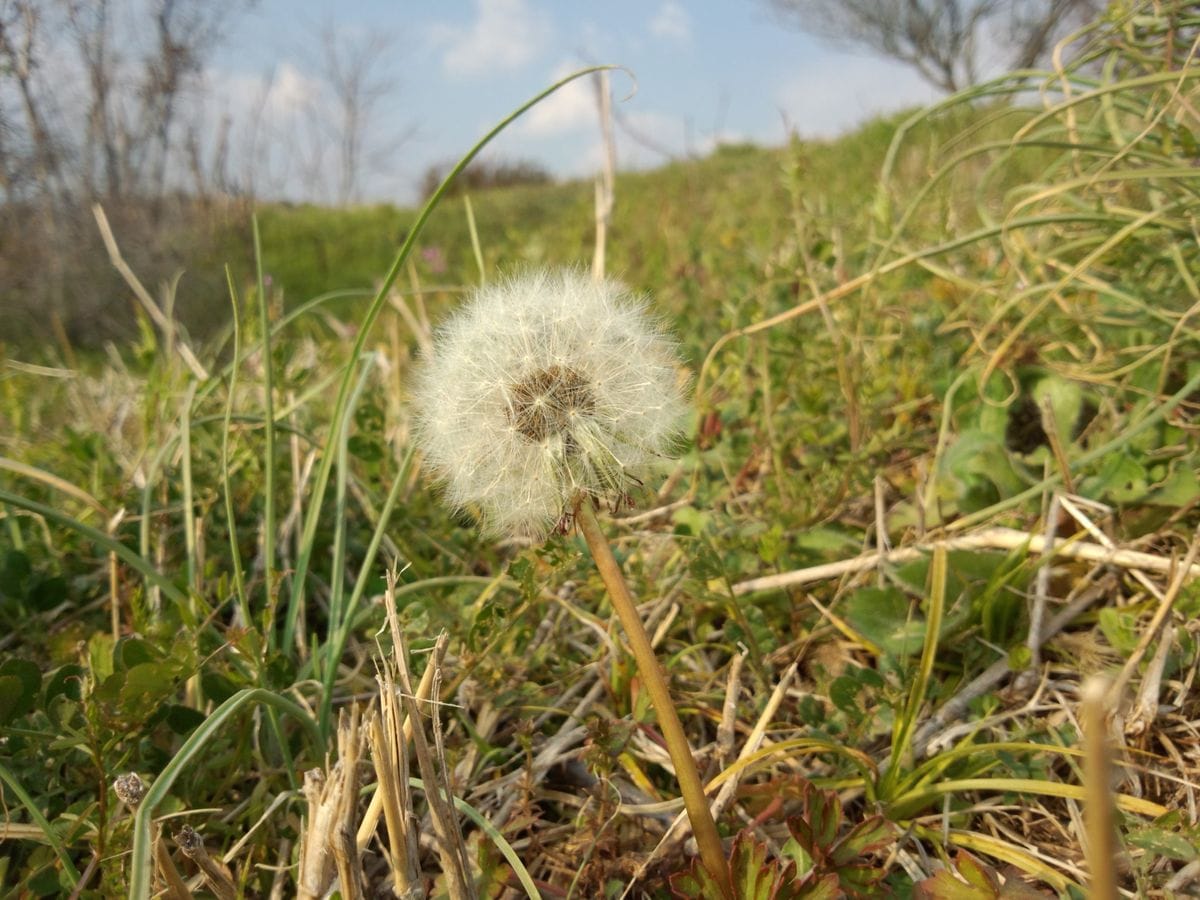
[[571, 107], [292, 91], [817, 105], [672, 21], [505, 35]]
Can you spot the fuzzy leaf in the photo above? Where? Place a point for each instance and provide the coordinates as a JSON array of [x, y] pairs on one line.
[[695, 884], [945, 886], [826, 887], [975, 872], [824, 817], [866, 837]]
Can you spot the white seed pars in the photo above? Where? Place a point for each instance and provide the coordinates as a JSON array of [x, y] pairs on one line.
[[543, 388]]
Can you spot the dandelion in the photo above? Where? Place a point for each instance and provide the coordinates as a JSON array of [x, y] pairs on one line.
[[547, 393], [543, 389]]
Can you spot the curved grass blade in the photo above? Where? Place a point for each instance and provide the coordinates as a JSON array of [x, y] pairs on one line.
[[909, 804], [152, 575], [505, 848], [141, 868], [52, 837]]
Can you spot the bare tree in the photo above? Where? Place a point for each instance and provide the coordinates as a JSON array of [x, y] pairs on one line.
[[949, 42], [355, 68], [98, 101], [21, 47]]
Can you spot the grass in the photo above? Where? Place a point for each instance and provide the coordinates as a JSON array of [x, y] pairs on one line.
[[909, 345]]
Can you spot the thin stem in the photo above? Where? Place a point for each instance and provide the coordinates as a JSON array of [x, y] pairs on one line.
[[1097, 778], [712, 854]]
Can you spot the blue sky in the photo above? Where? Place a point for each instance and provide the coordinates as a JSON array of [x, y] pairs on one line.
[[706, 72]]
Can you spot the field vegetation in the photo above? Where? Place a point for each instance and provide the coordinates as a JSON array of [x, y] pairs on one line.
[[934, 512]]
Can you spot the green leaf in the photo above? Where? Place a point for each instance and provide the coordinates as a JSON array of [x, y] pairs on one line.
[[885, 616], [1162, 843], [1180, 488], [824, 810], [868, 836], [183, 719], [67, 681], [945, 886], [1121, 480], [977, 469], [217, 687], [134, 651], [843, 692], [48, 593], [100, 656], [20, 683], [1065, 399], [975, 872], [1120, 628], [14, 574], [696, 884], [367, 449], [825, 887], [748, 865], [12, 692], [145, 687]]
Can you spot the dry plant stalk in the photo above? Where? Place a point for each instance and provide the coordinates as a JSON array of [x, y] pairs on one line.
[[371, 820], [215, 874], [165, 323], [174, 886], [708, 839], [450, 845], [389, 733], [1097, 773], [997, 538], [327, 845]]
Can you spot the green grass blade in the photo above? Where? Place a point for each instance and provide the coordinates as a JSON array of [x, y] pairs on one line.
[[189, 505], [136, 562], [911, 803], [268, 526], [239, 578], [35, 814], [906, 722], [337, 581], [339, 636], [141, 868]]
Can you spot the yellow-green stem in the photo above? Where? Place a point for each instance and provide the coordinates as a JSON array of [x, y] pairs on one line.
[[1097, 775], [712, 854]]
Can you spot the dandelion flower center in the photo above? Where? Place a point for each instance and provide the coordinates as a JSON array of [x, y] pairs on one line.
[[545, 403]]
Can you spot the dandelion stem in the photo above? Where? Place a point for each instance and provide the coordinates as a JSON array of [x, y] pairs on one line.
[[1097, 774], [712, 854]]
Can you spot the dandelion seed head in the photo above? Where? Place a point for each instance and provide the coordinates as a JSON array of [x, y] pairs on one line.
[[542, 388]]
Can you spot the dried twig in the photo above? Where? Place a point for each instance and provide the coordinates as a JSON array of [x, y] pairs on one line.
[[1150, 634], [163, 321], [997, 538]]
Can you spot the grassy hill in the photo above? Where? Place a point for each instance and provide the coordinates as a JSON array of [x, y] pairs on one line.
[[939, 473]]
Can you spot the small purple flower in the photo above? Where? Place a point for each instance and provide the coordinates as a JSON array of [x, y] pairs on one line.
[[435, 259]]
